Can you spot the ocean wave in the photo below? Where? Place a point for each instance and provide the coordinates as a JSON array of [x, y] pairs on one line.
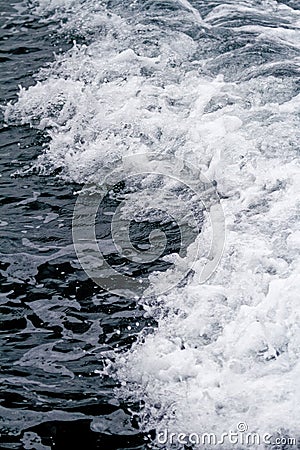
[[217, 85]]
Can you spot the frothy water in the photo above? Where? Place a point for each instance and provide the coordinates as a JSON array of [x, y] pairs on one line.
[[217, 85]]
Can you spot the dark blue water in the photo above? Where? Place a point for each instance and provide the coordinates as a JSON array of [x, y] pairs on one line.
[[47, 305], [57, 325]]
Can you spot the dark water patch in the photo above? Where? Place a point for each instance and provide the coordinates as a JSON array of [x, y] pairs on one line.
[[26, 45], [56, 325]]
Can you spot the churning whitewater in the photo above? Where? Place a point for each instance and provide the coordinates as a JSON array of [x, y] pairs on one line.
[[215, 84]]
